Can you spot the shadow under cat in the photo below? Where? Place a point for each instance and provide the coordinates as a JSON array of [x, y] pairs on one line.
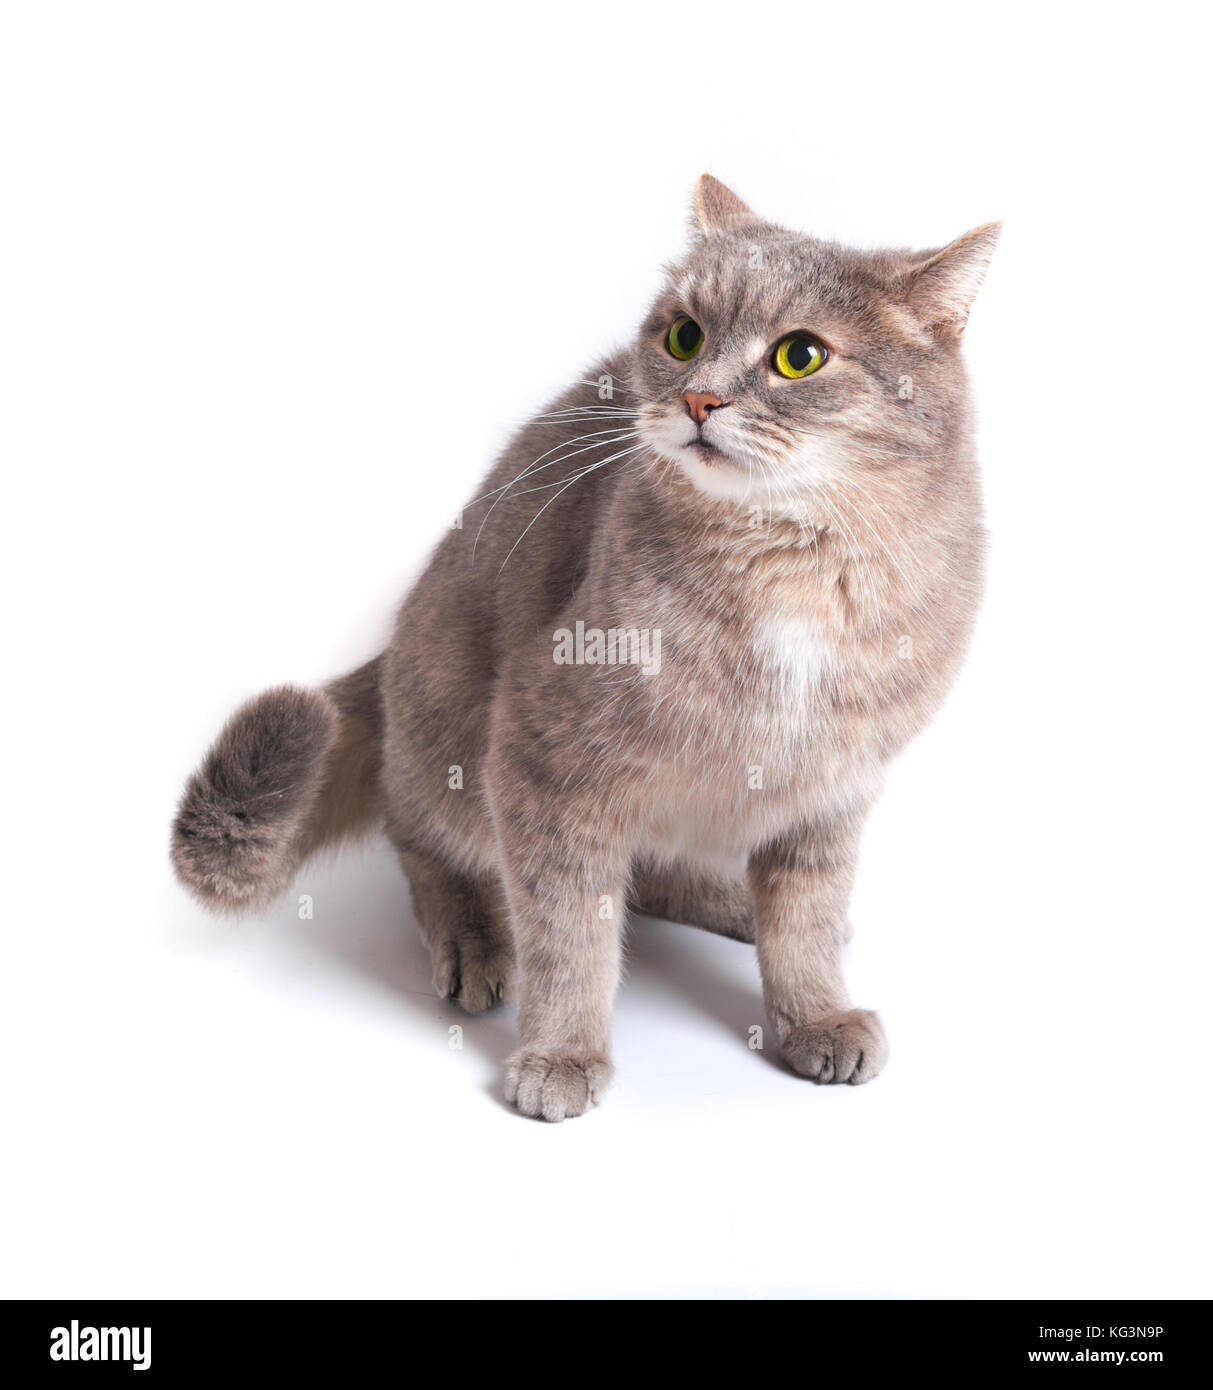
[[361, 921]]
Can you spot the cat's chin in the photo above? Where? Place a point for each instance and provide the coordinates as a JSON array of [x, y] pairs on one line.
[[709, 470], [715, 474]]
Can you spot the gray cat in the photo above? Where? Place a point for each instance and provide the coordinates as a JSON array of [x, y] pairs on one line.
[[661, 662]]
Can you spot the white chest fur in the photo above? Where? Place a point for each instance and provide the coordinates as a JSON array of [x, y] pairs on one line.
[[793, 656], [779, 763]]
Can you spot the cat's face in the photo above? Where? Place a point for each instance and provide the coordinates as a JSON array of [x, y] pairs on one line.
[[773, 365]]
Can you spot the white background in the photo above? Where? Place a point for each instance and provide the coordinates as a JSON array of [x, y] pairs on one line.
[[277, 279]]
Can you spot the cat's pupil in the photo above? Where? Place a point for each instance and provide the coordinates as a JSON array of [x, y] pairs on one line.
[[688, 335], [800, 354]]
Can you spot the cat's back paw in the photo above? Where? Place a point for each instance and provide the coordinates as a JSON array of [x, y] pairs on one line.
[[476, 972], [555, 1086]]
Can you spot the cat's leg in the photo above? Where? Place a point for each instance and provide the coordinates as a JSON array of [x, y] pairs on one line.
[[696, 895], [801, 882], [564, 872], [463, 923], [567, 916]]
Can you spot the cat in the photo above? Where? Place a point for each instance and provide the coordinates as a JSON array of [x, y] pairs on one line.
[[661, 662]]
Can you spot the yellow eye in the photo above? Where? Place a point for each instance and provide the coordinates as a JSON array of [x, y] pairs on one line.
[[799, 356], [685, 338]]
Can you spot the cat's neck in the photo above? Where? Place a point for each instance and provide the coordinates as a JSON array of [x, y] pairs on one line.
[[846, 560]]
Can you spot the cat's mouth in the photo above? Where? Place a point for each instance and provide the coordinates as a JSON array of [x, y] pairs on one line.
[[708, 453], [716, 467]]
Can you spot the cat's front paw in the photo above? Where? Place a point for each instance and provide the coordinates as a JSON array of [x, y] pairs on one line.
[[555, 1086], [848, 1047]]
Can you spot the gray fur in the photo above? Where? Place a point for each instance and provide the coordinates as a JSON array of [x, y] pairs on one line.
[[835, 520], [291, 772]]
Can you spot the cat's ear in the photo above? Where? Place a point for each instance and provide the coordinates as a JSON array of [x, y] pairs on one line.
[[942, 285], [717, 208]]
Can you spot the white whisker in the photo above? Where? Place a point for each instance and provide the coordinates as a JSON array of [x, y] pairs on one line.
[[614, 436], [623, 453]]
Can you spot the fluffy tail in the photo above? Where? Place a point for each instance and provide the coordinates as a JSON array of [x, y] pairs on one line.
[[292, 771]]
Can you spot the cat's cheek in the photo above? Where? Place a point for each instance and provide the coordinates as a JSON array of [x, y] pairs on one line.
[[668, 438]]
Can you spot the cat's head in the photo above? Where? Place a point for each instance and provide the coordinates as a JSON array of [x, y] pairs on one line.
[[772, 360]]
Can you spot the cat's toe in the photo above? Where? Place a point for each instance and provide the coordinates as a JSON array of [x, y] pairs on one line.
[[556, 1086], [848, 1047], [474, 977]]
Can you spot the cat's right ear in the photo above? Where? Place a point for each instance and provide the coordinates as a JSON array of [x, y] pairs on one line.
[[718, 209]]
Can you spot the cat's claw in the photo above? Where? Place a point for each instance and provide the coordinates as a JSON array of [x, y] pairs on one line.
[[555, 1086], [848, 1047]]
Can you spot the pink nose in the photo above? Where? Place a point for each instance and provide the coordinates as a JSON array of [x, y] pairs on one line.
[[700, 404]]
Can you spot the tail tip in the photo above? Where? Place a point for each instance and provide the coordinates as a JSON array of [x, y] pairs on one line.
[[235, 833]]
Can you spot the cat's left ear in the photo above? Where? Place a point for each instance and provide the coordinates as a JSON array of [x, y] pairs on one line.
[[942, 287]]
